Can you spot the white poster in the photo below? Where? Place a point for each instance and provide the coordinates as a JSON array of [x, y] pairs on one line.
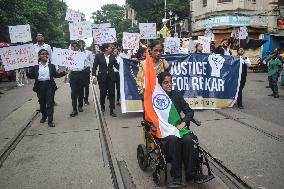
[[20, 33], [205, 41], [172, 45], [130, 40], [16, 57], [148, 30], [102, 25], [243, 32], [68, 58], [80, 30], [73, 16], [104, 35], [209, 33]]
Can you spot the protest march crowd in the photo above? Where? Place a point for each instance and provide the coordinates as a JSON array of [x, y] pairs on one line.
[[102, 64]]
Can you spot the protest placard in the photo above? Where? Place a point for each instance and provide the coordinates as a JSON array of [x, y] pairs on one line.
[[16, 57], [148, 30], [20, 33], [102, 25], [205, 41], [130, 40], [80, 30], [104, 35], [68, 58], [243, 32], [172, 45], [191, 46], [73, 16]]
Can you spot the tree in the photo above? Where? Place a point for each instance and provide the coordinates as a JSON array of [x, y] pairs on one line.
[[153, 10], [114, 14], [46, 16]]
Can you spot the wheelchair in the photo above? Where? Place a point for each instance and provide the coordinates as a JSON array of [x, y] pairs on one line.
[[151, 155]]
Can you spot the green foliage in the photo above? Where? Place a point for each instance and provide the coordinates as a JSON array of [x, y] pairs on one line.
[[46, 16], [114, 14], [154, 10]]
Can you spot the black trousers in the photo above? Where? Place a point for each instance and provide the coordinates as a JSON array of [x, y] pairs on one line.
[[107, 87], [86, 83], [178, 151], [76, 80], [117, 85], [45, 95], [240, 93]]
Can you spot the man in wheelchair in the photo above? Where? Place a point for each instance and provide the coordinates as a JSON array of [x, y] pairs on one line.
[[180, 150]]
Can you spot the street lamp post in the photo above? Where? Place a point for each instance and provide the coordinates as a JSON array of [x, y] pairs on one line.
[[181, 24], [171, 13], [176, 18]]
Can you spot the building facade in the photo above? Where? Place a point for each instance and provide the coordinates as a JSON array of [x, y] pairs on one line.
[[261, 17]]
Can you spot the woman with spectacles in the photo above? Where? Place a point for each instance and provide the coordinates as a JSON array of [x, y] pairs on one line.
[[44, 85], [161, 65]]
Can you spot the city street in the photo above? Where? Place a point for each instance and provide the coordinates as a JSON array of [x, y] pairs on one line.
[[248, 142]]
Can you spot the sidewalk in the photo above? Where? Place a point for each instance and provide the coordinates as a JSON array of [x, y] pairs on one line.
[[67, 156]]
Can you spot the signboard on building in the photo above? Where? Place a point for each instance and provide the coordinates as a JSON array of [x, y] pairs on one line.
[[230, 21]]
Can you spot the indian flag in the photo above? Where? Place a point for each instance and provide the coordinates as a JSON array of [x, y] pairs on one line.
[[159, 108]]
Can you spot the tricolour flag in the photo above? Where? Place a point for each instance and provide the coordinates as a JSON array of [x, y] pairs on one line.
[[158, 107]]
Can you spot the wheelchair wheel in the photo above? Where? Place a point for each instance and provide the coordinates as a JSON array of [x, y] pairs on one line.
[[157, 178], [142, 157]]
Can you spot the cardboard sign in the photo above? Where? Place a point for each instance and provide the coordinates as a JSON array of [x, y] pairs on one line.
[[130, 40], [191, 46], [148, 30], [20, 33], [73, 16], [172, 45], [16, 57], [68, 58], [102, 25], [80, 30], [205, 41], [243, 32], [104, 35]]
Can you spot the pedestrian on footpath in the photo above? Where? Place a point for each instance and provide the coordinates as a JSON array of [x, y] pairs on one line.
[[77, 83], [274, 70], [45, 86], [245, 62], [117, 78], [106, 76], [87, 71]]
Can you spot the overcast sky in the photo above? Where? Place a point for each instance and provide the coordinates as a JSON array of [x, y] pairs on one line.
[[90, 6]]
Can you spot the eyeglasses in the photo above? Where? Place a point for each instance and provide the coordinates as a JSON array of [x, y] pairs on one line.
[[158, 50]]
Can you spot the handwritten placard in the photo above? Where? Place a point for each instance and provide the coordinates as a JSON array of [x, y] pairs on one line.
[[104, 35], [20, 33], [172, 45], [73, 16], [80, 30], [243, 32], [130, 40], [148, 30], [102, 25], [205, 41], [16, 57], [68, 58]]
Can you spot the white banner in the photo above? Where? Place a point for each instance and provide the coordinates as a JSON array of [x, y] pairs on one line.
[[73, 16], [130, 40], [148, 30], [205, 41], [20, 33], [172, 45], [68, 58], [104, 35], [102, 25], [16, 57], [80, 30]]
